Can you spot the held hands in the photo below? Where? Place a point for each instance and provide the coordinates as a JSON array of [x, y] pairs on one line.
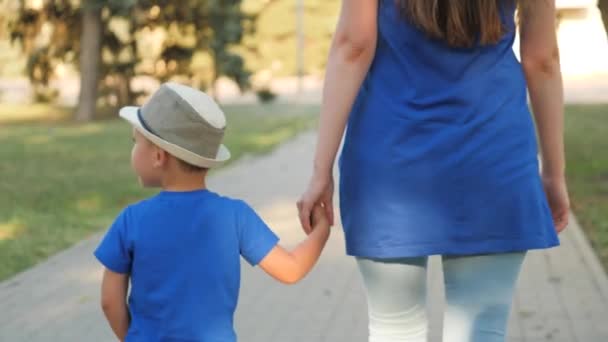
[[557, 196], [319, 195], [319, 218]]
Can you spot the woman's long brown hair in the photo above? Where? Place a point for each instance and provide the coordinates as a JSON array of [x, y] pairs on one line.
[[460, 23]]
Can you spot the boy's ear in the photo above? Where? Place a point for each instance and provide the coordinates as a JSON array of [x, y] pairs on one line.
[[160, 157]]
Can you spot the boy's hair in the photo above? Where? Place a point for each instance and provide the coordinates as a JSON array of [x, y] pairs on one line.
[[187, 167]]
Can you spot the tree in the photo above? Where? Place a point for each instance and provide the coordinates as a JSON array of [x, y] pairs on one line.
[[226, 23], [603, 6], [81, 34], [273, 47], [52, 32], [46, 32], [93, 25], [94, 32], [214, 27], [90, 60]]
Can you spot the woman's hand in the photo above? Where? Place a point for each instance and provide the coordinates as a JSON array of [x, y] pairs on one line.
[[557, 195], [320, 191]]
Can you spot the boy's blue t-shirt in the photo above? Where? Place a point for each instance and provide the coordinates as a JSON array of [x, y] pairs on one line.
[[182, 251]]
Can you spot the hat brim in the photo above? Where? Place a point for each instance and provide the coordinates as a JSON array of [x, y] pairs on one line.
[[223, 154]]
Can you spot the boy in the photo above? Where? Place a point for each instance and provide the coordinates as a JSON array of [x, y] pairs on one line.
[[181, 248]]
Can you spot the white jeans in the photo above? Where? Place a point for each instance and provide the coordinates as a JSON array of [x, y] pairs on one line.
[[479, 292]]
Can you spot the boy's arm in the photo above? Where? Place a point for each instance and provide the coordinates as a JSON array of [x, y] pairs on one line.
[[290, 267], [114, 288]]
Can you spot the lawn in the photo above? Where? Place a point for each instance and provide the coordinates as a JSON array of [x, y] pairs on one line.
[[61, 182], [587, 171]]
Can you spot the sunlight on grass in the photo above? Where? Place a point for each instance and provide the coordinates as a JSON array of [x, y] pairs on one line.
[[271, 138], [11, 230], [38, 139], [89, 204], [39, 112], [78, 131]]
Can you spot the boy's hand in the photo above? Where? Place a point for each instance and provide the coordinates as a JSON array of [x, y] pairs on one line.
[[290, 267], [319, 218]]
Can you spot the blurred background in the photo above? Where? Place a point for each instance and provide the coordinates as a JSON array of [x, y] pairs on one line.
[[66, 66]]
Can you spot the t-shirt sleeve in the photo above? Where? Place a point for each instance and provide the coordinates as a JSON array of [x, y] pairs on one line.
[[255, 237], [115, 250]]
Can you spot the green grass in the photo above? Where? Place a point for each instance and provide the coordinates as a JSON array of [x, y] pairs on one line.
[[587, 171], [61, 182]]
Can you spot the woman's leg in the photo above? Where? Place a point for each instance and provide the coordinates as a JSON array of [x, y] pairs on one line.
[[396, 296], [479, 293]]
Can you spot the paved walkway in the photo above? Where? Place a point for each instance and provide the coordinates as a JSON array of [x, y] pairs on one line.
[[563, 293]]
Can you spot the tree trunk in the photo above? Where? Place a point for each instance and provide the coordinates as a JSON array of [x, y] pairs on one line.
[[215, 88], [90, 60], [124, 95], [603, 6]]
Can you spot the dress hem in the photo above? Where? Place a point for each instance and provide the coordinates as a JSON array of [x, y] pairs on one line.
[[462, 248]]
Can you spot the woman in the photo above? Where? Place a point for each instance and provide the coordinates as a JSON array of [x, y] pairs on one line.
[[440, 155]]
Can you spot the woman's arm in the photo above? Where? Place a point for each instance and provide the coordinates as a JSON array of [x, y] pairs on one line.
[[350, 57], [540, 61]]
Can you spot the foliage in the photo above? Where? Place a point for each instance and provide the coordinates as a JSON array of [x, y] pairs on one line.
[[50, 35], [266, 95]]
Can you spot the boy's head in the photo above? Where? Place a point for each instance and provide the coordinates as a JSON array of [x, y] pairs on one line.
[[180, 129]]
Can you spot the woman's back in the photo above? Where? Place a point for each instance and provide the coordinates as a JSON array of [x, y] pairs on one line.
[[434, 134], [429, 79]]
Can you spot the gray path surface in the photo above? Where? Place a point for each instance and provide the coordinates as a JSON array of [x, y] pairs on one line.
[[562, 296]]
